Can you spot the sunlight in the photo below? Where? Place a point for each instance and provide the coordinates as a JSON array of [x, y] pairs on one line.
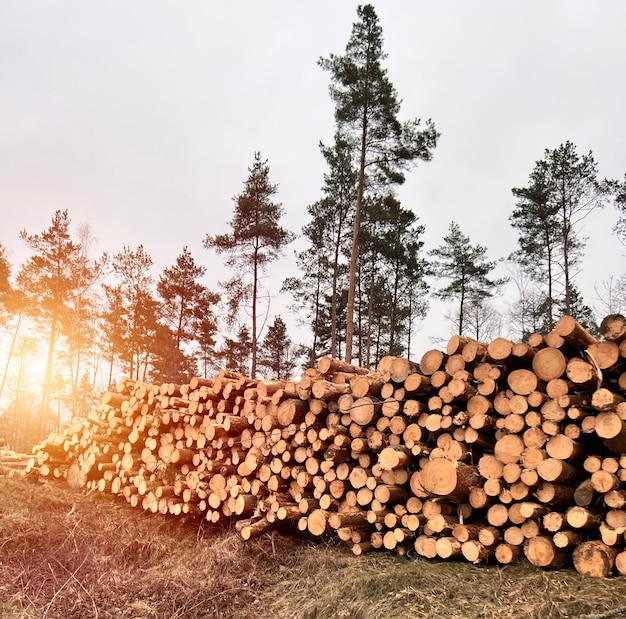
[[27, 366]]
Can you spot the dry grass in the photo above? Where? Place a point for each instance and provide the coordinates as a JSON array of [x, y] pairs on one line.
[[66, 555]]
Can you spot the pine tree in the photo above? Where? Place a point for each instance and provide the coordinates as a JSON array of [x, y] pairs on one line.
[[133, 311], [320, 292], [277, 353], [52, 278], [186, 304], [5, 273], [235, 355], [618, 191], [393, 278], [366, 113], [256, 240], [467, 268], [563, 190]]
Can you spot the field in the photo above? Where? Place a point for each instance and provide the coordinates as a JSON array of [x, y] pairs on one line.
[[66, 555]]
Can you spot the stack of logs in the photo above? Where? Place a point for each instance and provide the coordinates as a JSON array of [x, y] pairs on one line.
[[487, 452], [12, 463]]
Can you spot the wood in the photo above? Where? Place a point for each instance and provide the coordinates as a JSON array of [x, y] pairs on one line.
[[613, 327], [549, 364], [475, 552], [542, 552], [574, 333], [594, 558], [612, 430], [431, 361], [441, 477], [474, 452], [522, 381]]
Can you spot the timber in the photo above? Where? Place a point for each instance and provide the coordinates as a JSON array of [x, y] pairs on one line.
[[487, 451]]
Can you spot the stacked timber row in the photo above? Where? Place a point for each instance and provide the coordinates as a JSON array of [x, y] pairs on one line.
[[12, 464], [485, 452]]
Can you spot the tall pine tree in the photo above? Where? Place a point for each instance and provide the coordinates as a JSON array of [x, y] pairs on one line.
[[366, 114], [52, 278], [255, 240]]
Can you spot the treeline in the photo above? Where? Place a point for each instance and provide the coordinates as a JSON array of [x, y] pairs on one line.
[[364, 278]]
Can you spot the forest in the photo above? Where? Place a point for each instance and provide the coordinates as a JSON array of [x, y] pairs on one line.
[[72, 321]]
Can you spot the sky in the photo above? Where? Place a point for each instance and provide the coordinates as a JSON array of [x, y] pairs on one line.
[[141, 118]]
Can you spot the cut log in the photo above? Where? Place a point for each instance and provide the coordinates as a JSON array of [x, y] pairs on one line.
[[364, 410], [581, 373], [542, 552], [594, 558], [507, 554], [431, 361], [440, 477], [613, 327], [612, 430], [522, 381], [509, 448], [549, 363], [574, 333], [475, 552]]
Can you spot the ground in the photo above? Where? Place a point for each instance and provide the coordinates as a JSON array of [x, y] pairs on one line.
[[69, 555]]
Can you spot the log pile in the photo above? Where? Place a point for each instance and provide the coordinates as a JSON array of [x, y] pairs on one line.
[[485, 452], [12, 464]]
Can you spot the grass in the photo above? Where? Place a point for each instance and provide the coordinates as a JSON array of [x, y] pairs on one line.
[[67, 555]]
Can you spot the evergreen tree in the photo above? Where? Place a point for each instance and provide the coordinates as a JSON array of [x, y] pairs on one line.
[[277, 353], [80, 322], [168, 362], [310, 291], [393, 278], [366, 113], [582, 312], [114, 327], [5, 274], [186, 304], [133, 311], [619, 193], [320, 292], [235, 355], [206, 331], [54, 276], [181, 293], [335, 214], [256, 239], [563, 190], [467, 268], [535, 217]]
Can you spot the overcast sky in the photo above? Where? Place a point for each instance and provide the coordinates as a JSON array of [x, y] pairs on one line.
[[141, 117]]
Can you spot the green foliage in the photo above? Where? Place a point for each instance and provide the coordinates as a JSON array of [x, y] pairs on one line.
[[467, 268], [54, 281], [367, 105], [236, 353], [392, 275], [132, 315], [277, 353], [168, 362], [5, 273], [320, 292], [256, 239], [187, 310], [366, 115], [563, 190], [618, 189]]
